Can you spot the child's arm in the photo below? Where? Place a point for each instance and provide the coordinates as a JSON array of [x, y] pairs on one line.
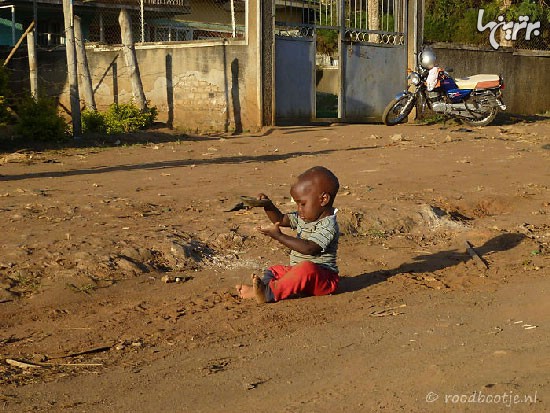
[[274, 214], [303, 246]]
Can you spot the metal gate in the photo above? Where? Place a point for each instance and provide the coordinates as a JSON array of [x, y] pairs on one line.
[[338, 59]]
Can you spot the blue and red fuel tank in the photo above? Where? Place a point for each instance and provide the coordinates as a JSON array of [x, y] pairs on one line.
[[453, 92]]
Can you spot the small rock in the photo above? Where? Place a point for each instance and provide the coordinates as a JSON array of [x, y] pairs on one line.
[[167, 279], [5, 285], [396, 138], [6, 296], [128, 265]]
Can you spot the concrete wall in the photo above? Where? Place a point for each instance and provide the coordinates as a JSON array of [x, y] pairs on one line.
[[201, 86], [204, 87], [527, 88], [328, 80]]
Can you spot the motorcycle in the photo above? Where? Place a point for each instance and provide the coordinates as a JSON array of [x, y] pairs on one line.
[[475, 100]]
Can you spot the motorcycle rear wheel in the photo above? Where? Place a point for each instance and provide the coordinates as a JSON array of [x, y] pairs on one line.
[[488, 117], [398, 110]]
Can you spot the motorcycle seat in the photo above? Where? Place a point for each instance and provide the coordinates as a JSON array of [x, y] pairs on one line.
[[478, 82]]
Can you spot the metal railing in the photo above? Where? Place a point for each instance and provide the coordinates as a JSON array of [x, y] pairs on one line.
[[374, 21]]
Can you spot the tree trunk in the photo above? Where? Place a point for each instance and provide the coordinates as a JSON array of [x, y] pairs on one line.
[[503, 42], [130, 58], [373, 12]]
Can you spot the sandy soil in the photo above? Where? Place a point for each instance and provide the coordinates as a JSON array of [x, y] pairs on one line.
[[417, 325]]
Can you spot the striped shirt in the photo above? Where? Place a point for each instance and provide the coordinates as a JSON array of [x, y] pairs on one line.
[[324, 232]]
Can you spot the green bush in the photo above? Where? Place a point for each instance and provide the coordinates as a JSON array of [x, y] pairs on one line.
[[119, 118], [40, 120], [92, 121], [456, 20], [5, 116], [4, 90]]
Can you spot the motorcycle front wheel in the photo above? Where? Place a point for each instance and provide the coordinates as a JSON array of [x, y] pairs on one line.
[[483, 121], [397, 110]]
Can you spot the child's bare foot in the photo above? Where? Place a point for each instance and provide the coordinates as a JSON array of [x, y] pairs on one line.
[[256, 290], [259, 289], [245, 291]]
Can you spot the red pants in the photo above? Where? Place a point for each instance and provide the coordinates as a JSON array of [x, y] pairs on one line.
[[305, 278]]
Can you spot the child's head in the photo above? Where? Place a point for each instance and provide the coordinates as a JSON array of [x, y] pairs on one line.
[[314, 193]]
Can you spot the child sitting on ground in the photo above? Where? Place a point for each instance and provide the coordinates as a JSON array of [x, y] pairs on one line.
[[312, 269]]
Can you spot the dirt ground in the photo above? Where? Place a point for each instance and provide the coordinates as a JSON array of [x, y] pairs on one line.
[[418, 325]]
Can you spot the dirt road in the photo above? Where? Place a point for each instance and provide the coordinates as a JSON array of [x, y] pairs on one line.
[[418, 325]]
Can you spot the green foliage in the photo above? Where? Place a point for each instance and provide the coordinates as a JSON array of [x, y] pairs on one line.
[[388, 23], [327, 42], [3, 80], [456, 20], [535, 11], [39, 120], [5, 116], [93, 121], [123, 118]]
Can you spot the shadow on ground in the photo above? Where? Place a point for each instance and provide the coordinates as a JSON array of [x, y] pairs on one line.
[[159, 133], [429, 263]]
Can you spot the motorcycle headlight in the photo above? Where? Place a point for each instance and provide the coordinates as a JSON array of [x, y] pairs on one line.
[[414, 78]]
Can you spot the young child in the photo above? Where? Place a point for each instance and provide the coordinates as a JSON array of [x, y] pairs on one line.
[[312, 269]]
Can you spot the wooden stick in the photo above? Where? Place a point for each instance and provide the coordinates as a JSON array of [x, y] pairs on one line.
[[81, 353], [31, 26], [22, 364], [76, 364], [28, 365], [477, 258]]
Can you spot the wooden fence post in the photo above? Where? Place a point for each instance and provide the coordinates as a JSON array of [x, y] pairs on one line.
[[33, 74], [85, 77], [71, 68], [130, 58]]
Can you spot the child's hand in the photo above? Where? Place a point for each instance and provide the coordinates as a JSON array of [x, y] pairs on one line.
[[272, 230], [262, 196]]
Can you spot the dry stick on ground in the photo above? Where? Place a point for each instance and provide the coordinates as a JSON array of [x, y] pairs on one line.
[[477, 258], [28, 365], [22, 364]]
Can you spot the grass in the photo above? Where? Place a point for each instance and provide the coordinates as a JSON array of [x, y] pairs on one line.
[[84, 288], [25, 284], [326, 105]]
